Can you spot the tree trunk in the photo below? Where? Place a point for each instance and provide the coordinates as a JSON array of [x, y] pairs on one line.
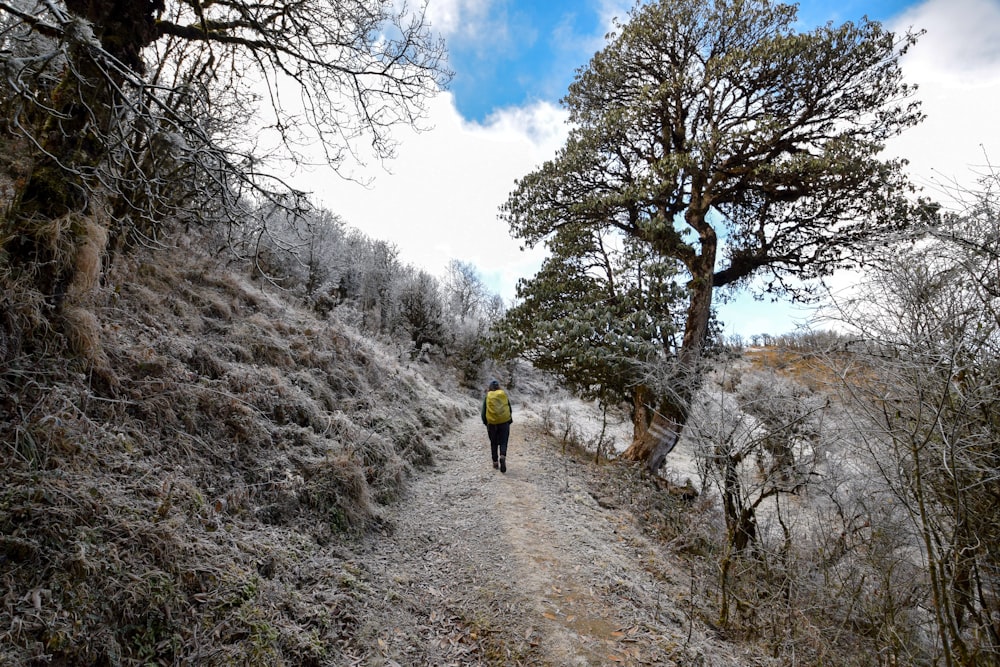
[[657, 430], [52, 214], [654, 433], [47, 219]]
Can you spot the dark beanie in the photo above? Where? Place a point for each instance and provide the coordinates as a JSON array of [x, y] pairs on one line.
[[494, 385]]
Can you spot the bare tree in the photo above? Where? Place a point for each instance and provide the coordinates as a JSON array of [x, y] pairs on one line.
[[465, 289], [132, 111], [929, 388], [755, 444], [301, 251], [421, 311], [816, 556], [494, 308]]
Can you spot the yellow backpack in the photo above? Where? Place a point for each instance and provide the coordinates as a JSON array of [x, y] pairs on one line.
[[497, 407]]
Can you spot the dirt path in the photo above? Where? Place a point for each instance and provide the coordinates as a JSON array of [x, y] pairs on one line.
[[527, 567]]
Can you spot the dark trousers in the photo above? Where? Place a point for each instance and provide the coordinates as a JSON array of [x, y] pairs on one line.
[[499, 434]]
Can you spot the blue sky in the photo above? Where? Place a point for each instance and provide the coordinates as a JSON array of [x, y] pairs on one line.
[[500, 119], [529, 50], [533, 57]]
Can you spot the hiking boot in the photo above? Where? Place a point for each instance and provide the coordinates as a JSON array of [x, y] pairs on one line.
[[503, 464], [495, 465]]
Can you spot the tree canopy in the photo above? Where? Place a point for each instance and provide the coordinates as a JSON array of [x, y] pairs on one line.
[[715, 136], [594, 313]]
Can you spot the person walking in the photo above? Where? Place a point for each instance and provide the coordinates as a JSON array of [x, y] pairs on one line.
[[497, 417]]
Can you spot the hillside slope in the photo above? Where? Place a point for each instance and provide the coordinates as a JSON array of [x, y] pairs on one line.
[[180, 499]]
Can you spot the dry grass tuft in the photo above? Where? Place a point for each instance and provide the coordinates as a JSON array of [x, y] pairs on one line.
[[87, 260], [56, 236], [336, 489], [10, 335], [813, 370], [22, 319], [83, 334]]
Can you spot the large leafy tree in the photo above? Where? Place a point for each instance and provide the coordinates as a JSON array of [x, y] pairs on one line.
[[714, 134], [130, 111]]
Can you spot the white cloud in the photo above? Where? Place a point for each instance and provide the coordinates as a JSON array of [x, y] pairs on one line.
[[614, 9], [962, 44], [956, 65], [544, 124], [441, 200], [461, 19]]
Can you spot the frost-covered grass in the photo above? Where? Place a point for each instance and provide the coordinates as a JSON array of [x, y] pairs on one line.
[[187, 507]]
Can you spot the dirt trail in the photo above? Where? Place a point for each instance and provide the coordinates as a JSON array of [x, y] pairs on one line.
[[525, 567]]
